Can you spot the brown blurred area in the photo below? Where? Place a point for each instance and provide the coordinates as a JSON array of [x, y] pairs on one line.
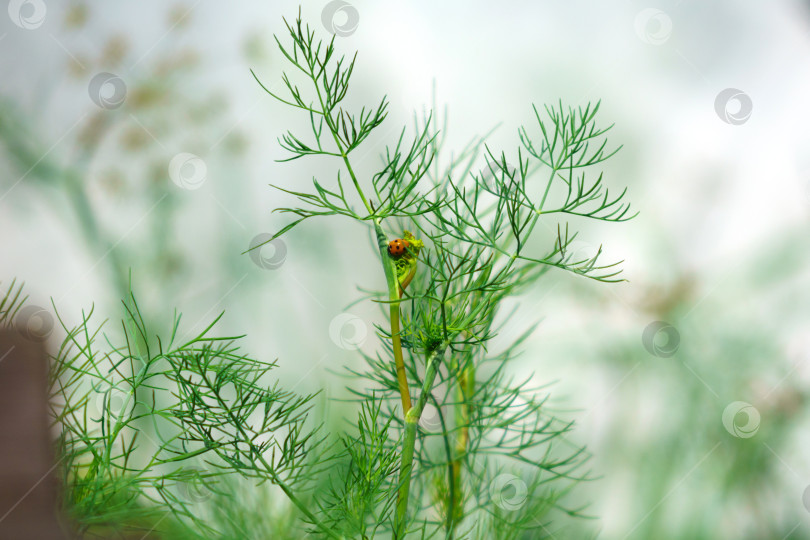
[[28, 486]]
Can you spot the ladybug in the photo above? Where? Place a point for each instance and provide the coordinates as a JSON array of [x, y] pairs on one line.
[[396, 248]]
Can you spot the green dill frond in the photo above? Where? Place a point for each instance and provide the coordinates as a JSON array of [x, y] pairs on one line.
[[146, 438]]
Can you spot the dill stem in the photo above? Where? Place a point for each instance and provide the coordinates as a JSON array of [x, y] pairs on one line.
[[396, 338], [409, 440], [388, 265], [464, 390], [333, 129], [451, 496], [402, 379]]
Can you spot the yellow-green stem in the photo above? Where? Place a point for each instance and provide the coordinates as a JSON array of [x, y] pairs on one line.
[[464, 391], [409, 441], [396, 338], [399, 361], [410, 414]]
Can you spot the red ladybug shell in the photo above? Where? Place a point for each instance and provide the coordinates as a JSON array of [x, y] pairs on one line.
[[396, 248]]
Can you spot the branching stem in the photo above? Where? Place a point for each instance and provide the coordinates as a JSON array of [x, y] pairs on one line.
[[269, 469], [388, 264]]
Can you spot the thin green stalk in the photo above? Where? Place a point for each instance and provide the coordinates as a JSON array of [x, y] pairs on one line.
[[388, 265], [409, 441], [464, 391], [334, 130], [451, 495], [396, 338]]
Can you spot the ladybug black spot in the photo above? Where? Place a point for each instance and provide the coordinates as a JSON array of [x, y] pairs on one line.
[[396, 248]]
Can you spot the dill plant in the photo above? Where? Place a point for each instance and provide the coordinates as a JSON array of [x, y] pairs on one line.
[[478, 228], [469, 250]]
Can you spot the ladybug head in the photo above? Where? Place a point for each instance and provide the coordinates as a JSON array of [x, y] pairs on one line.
[[396, 248]]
